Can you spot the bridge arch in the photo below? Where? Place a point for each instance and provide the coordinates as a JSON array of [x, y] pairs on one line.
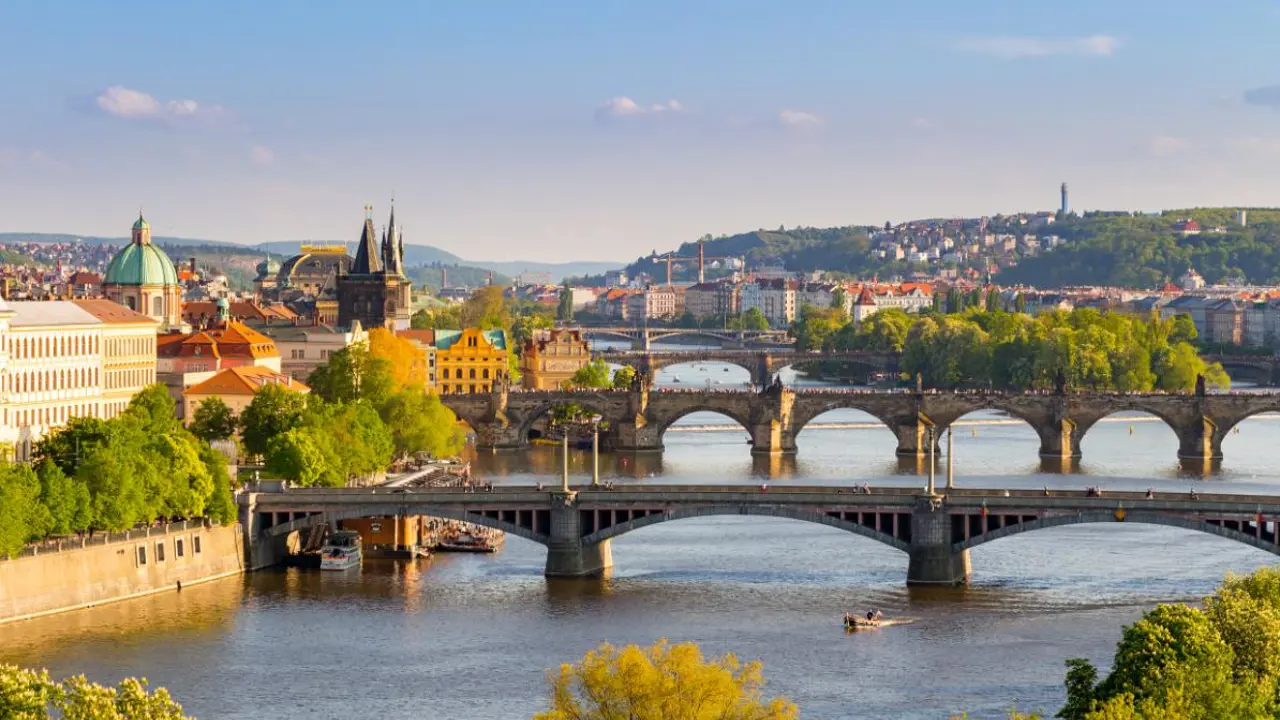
[[473, 518], [705, 333], [594, 403], [703, 404], [1265, 542], [761, 511]]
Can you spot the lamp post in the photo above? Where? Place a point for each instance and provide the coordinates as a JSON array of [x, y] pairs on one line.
[[595, 450], [932, 486], [564, 456], [951, 477]]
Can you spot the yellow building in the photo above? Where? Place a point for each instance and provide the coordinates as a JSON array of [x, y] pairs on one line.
[[66, 359], [469, 361], [551, 357]]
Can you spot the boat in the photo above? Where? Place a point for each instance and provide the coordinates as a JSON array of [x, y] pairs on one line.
[[854, 623], [466, 542], [675, 378], [341, 551]]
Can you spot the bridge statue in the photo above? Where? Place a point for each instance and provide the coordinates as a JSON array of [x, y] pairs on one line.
[[1199, 384], [919, 383], [1060, 382]]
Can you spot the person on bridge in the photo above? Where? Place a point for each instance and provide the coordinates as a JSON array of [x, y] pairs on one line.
[[764, 487], [1151, 493]]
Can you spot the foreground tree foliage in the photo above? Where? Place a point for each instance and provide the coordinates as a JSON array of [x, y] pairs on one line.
[[662, 682], [1182, 662], [113, 474], [33, 695], [1087, 348]]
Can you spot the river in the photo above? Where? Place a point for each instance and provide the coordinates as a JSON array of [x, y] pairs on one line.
[[470, 637]]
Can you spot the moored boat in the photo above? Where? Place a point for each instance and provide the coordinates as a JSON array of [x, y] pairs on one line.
[[857, 622], [341, 551], [467, 542]]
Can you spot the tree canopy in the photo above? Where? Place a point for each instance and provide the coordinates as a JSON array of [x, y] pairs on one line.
[[662, 682], [34, 695]]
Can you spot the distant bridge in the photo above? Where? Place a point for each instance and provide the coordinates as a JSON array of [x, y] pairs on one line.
[[638, 419], [762, 365], [641, 337], [936, 531], [1260, 369]]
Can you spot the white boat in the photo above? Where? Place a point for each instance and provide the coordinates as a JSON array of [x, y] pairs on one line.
[[675, 378], [341, 551]]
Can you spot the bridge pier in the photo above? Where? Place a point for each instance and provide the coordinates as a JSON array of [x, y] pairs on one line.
[[634, 436], [496, 436], [1059, 440], [261, 550], [931, 559], [567, 555], [771, 438], [913, 437], [1200, 442]]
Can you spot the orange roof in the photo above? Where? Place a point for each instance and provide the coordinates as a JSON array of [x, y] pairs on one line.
[[244, 380], [230, 339], [425, 337], [112, 312]]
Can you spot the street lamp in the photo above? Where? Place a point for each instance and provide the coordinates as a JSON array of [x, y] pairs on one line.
[[595, 450], [932, 486], [951, 477], [564, 456]]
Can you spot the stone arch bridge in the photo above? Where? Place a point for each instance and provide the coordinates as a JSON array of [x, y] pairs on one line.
[[935, 531], [641, 337], [636, 420], [762, 365]]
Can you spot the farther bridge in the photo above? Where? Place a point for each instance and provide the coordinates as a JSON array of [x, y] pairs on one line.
[[636, 420], [642, 336], [1261, 369], [935, 530], [762, 365]]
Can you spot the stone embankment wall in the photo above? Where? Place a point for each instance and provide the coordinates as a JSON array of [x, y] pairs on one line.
[[118, 566]]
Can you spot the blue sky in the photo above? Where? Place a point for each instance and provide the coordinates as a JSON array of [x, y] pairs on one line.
[[594, 130]]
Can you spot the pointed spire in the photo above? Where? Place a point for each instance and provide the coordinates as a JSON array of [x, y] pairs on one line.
[[368, 260], [391, 246]]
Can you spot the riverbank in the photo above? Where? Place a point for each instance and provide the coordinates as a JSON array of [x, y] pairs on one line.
[[110, 567]]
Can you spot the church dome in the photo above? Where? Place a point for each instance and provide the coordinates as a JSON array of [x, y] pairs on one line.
[[141, 224], [138, 264], [267, 267]]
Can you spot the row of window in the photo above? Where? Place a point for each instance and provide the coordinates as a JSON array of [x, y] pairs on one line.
[[179, 549], [471, 374], [130, 346], [460, 388], [26, 348], [130, 378], [73, 378]]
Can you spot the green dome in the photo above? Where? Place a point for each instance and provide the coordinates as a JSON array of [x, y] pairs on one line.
[[141, 224], [138, 264]]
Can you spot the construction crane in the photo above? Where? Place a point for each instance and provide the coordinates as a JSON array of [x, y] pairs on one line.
[[702, 259]]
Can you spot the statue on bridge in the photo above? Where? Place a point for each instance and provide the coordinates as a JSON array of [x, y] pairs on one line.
[[1060, 382], [919, 383], [1200, 390]]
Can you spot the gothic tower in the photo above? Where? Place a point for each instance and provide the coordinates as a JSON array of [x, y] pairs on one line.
[[375, 291]]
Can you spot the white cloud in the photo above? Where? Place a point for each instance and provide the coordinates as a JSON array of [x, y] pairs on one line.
[[623, 106], [799, 119], [122, 102], [1166, 145], [1025, 47], [261, 156]]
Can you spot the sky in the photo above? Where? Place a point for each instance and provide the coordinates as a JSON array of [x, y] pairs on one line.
[[564, 130]]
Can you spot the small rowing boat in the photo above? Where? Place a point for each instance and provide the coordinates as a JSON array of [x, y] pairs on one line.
[[854, 623]]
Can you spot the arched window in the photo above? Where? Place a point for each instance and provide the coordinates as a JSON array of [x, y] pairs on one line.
[[444, 374], [485, 374], [473, 373]]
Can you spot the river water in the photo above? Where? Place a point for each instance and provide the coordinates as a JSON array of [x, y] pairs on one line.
[[470, 637]]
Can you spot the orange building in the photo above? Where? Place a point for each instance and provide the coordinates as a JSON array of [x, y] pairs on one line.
[[551, 357], [469, 361], [237, 387]]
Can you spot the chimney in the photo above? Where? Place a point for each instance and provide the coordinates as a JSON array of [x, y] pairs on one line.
[[193, 267]]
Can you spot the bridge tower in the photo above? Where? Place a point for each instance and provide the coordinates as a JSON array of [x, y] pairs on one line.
[[931, 559], [567, 555]]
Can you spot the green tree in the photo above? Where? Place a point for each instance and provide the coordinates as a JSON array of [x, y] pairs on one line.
[[593, 375], [153, 409], [663, 682], [623, 377], [213, 420], [22, 517], [273, 411], [840, 299], [486, 309], [753, 319], [419, 422], [564, 308], [221, 505], [295, 455], [68, 502], [814, 328], [353, 373], [1184, 330], [67, 446]]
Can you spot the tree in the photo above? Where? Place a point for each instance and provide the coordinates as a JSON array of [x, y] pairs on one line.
[[840, 299], [1184, 330], [564, 309], [593, 375], [753, 319], [663, 682], [486, 309], [623, 377], [67, 501], [814, 327], [295, 455], [353, 373], [419, 422], [273, 411], [68, 445], [405, 363], [22, 517], [213, 420], [153, 409], [33, 695]]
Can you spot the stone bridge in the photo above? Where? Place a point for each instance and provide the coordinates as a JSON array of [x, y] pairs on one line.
[[576, 524], [641, 337], [636, 420], [762, 365], [1260, 369]]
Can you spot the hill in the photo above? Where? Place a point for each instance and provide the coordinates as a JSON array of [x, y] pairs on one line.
[[1148, 251]]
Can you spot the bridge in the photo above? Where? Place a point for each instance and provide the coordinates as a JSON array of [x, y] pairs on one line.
[[762, 365], [642, 336], [636, 420], [1260, 369], [576, 524]]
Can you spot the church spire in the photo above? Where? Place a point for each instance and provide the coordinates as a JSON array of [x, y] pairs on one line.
[[392, 253], [368, 259]]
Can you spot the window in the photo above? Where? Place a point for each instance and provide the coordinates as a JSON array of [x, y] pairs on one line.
[[160, 551], [444, 374], [177, 547], [473, 373], [485, 374], [195, 544], [142, 554]]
